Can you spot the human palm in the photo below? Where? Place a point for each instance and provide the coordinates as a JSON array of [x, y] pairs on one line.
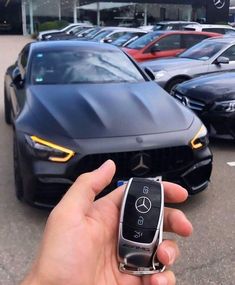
[[79, 245]]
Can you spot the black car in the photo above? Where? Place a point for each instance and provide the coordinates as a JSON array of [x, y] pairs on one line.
[[74, 105], [212, 98]]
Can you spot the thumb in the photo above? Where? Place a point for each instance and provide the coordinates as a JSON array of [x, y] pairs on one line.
[[82, 193]]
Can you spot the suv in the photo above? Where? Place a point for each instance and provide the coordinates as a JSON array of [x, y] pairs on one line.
[[221, 29]]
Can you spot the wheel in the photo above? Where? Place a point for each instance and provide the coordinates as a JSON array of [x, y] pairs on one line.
[[17, 173], [173, 83], [7, 108]]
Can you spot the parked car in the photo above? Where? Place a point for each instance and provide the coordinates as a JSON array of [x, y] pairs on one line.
[[220, 29], [172, 25], [209, 56], [72, 34], [163, 44], [212, 98], [128, 38], [71, 115], [42, 35], [110, 34]]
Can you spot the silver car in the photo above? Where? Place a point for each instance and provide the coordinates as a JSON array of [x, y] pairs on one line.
[[209, 56]]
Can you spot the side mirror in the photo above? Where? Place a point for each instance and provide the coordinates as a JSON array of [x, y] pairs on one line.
[[17, 79], [150, 73], [222, 60], [107, 40], [155, 48]]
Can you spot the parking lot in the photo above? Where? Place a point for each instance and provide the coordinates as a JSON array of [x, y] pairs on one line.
[[207, 258]]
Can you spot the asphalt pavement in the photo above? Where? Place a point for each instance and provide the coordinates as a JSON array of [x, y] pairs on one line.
[[207, 258]]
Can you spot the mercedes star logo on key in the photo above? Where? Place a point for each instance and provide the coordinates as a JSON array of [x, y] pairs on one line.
[[143, 205]]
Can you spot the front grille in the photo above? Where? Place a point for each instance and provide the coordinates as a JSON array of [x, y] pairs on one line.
[[161, 161], [195, 105]]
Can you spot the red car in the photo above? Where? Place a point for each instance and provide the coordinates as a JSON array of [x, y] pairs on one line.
[[164, 44]]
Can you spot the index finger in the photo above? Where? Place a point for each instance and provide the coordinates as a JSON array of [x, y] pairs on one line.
[[173, 193]]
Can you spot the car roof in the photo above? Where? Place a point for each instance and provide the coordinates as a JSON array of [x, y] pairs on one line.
[[209, 26], [63, 44], [185, 32], [175, 22], [229, 39], [119, 29]]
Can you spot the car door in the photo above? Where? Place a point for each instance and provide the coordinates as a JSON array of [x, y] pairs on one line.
[[17, 87], [230, 54], [165, 46]]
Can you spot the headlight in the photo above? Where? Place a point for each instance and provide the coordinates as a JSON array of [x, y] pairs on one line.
[[160, 74], [47, 150], [48, 37], [225, 106], [200, 140]]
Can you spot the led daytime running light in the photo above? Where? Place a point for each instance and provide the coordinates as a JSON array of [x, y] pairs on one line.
[[197, 145], [69, 152]]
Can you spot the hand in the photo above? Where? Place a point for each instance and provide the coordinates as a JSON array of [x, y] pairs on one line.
[[80, 238]]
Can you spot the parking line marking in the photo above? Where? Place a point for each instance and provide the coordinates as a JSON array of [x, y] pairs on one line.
[[232, 163]]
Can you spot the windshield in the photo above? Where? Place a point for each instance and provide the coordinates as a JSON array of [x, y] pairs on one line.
[[159, 27], [82, 66], [123, 39], [101, 35], [203, 50], [143, 41]]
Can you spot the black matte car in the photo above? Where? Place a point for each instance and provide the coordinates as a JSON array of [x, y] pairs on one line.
[[74, 105], [212, 98]]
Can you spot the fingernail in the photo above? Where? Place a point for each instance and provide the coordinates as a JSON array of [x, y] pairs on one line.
[[171, 255], [104, 165], [162, 280]]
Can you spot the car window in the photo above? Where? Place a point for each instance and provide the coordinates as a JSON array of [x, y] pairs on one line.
[[203, 50], [214, 30], [188, 41], [189, 29], [229, 53], [23, 59], [143, 41], [101, 35], [116, 35], [170, 42], [83, 67], [126, 37]]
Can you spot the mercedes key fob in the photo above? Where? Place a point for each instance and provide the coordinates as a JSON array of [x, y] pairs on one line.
[[141, 227]]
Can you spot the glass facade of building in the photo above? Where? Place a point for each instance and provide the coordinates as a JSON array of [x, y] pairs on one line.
[[30, 14]]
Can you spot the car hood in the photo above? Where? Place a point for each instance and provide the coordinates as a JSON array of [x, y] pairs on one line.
[[173, 63], [209, 88], [106, 110]]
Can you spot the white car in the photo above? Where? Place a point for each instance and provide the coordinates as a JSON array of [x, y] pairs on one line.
[[221, 29], [66, 29]]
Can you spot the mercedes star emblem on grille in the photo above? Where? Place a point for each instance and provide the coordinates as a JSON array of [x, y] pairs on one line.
[[140, 164]]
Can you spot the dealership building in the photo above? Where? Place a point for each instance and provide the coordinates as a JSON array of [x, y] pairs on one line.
[[25, 16]]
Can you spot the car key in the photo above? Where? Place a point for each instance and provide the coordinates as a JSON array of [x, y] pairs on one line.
[[141, 227]]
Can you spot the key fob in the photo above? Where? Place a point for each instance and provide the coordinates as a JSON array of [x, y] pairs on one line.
[[141, 227]]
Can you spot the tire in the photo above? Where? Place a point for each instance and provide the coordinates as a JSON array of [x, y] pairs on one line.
[[173, 83], [7, 108], [19, 192]]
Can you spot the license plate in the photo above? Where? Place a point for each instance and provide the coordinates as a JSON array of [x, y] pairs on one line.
[[157, 178]]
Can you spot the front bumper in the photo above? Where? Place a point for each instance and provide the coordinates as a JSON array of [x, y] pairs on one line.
[[45, 182]]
